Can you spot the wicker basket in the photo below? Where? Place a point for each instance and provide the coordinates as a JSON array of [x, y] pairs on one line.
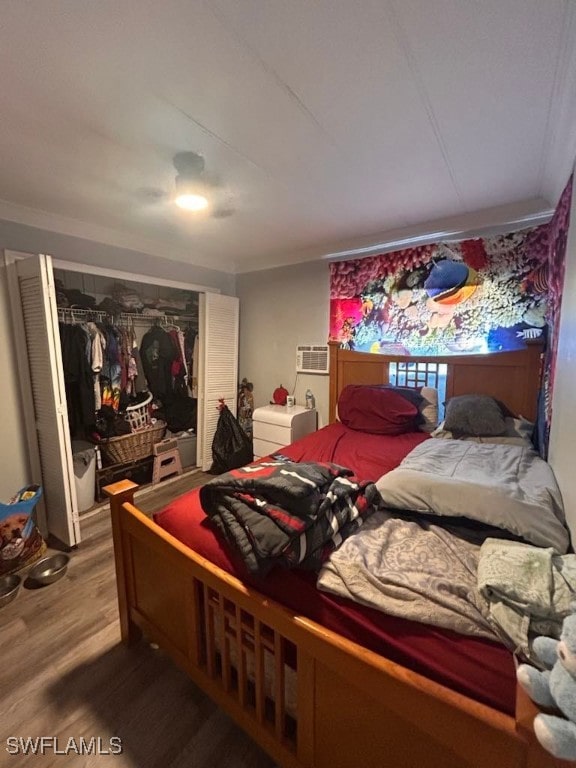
[[137, 445]]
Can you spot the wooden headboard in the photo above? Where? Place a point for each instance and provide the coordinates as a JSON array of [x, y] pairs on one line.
[[512, 377]]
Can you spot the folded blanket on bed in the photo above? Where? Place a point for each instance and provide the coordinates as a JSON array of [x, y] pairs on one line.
[[504, 486], [529, 589], [287, 513]]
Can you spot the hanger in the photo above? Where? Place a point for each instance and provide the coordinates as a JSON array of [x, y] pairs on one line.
[[170, 326]]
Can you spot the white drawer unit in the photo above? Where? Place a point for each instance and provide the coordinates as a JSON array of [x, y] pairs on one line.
[[275, 426]]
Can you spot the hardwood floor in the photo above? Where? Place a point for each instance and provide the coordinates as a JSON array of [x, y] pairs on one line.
[[65, 674]]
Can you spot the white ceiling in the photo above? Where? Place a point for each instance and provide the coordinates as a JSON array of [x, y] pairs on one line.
[[330, 122]]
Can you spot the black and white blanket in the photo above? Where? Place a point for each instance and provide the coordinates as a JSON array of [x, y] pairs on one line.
[[287, 513]]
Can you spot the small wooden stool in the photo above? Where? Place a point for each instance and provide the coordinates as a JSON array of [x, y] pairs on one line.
[[166, 459]]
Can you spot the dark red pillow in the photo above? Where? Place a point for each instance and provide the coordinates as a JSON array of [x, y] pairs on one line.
[[376, 409]]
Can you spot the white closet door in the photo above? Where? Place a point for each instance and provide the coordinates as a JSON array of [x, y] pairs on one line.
[[42, 339], [218, 369]]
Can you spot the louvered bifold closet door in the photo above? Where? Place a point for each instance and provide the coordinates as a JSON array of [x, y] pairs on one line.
[[218, 374], [40, 320]]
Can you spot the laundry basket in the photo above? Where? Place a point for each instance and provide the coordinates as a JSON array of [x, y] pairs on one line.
[[136, 445], [138, 416]]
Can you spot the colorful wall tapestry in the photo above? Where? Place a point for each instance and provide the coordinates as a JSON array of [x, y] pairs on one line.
[[470, 296], [556, 256]]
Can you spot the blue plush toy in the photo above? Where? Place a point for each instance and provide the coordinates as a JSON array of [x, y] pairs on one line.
[[554, 688]]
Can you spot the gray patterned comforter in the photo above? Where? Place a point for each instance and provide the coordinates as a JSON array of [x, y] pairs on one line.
[[413, 569]]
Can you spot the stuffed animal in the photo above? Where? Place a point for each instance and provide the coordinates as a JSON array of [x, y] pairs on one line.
[[555, 687]]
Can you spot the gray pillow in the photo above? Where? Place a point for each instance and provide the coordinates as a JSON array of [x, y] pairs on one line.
[[474, 415]]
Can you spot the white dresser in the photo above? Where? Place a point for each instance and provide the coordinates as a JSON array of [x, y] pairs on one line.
[[276, 426]]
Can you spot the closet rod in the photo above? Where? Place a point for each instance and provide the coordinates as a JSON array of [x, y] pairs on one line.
[[88, 313]]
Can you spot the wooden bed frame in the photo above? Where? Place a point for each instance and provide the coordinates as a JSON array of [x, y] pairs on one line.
[[353, 707]]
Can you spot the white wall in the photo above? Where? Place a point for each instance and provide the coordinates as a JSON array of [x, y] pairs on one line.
[[18, 237], [562, 449], [14, 470], [280, 308], [13, 448]]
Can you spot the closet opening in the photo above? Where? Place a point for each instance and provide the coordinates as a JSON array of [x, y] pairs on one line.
[[130, 355], [130, 312]]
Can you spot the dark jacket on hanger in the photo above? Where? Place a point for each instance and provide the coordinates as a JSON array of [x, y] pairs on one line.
[[157, 351], [78, 377], [140, 383]]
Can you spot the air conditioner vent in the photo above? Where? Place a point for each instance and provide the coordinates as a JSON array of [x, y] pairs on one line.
[[312, 358]]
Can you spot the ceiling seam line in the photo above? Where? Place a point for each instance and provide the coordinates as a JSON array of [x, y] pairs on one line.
[[554, 99], [213, 135], [270, 71], [411, 59], [217, 138]]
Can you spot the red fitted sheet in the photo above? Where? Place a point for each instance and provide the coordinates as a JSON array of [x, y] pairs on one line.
[[477, 668]]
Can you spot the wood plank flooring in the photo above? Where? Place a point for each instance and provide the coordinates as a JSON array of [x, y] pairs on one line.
[[65, 674]]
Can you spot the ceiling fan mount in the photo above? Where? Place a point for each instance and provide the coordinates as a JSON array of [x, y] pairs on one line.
[[193, 188], [196, 189], [189, 164]]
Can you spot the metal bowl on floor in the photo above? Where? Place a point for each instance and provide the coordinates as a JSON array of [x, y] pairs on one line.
[[9, 586], [49, 569]]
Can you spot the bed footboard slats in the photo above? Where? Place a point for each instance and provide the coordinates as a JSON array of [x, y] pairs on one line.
[[250, 661], [224, 633], [279, 684], [209, 635], [259, 673], [240, 656]]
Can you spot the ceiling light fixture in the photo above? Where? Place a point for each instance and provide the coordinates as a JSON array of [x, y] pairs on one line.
[[190, 189], [190, 201]]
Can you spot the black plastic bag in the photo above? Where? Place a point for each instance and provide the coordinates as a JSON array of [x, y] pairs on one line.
[[231, 447]]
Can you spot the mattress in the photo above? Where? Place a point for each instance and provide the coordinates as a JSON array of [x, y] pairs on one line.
[[477, 668]]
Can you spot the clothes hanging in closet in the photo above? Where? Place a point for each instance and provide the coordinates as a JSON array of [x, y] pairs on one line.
[[158, 352], [76, 345], [105, 370], [98, 349], [164, 357], [111, 373], [179, 367], [193, 379], [140, 383]]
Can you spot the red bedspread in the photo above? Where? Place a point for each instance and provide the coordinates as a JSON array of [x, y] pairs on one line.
[[477, 668], [370, 456]]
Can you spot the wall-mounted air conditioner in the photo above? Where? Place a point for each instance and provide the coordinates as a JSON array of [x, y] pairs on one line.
[[312, 358]]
